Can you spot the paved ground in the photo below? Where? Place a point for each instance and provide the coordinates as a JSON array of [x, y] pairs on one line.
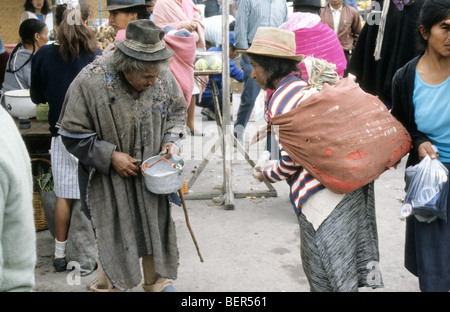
[[255, 247]]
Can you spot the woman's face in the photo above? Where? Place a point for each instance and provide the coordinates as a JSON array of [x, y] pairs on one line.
[[439, 38], [119, 20], [37, 4], [258, 74], [41, 38]]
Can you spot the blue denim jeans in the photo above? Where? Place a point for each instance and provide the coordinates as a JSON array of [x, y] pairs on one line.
[[248, 97]]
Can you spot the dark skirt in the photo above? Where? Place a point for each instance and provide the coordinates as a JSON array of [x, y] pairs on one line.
[[427, 251], [343, 254]]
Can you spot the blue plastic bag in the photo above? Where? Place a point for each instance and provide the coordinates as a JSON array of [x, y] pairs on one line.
[[426, 191]]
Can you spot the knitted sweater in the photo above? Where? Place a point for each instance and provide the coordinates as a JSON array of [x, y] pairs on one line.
[[17, 230]]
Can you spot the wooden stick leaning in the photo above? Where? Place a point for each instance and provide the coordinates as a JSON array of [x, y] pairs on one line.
[[188, 225]]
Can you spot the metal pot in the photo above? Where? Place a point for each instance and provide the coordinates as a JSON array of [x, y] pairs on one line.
[[163, 176]]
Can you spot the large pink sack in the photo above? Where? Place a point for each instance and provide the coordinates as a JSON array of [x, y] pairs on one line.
[[343, 136]]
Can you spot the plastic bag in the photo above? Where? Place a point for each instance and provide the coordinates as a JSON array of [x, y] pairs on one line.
[[427, 189]]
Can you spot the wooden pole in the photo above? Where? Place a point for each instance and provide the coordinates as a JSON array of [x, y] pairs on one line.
[[226, 127]]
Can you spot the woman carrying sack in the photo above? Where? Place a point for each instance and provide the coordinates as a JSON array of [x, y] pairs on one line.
[[338, 232]]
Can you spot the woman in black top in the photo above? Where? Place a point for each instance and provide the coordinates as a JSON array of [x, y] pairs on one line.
[[420, 97]]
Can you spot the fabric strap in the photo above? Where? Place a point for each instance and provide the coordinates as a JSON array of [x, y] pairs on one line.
[[380, 35]]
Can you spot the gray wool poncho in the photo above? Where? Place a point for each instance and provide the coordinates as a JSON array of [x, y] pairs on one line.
[[100, 115]]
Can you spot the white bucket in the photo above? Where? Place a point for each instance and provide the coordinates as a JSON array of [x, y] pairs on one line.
[[19, 104]]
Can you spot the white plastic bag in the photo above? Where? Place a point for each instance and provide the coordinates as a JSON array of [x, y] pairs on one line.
[[427, 190]]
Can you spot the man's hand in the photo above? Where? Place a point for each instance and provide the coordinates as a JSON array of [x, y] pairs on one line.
[[169, 149], [124, 164]]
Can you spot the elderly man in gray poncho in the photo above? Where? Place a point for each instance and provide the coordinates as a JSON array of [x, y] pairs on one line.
[[126, 107]]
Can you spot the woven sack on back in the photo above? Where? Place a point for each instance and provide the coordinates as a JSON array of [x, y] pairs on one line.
[[343, 136]]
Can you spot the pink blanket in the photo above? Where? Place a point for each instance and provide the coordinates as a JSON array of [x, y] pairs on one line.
[[120, 35], [171, 13], [182, 63], [320, 42]]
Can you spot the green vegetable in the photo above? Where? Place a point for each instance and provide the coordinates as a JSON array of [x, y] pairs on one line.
[[215, 63], [201, 64], [45, 182]]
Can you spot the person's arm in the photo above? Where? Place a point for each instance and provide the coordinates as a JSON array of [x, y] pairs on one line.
[[356, 27], [236, 72], [17, 229], [89, 150], [401, 101], [283, 169], [174, 128]]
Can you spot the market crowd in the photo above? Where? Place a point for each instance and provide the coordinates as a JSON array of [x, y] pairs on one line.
[[124, 92]]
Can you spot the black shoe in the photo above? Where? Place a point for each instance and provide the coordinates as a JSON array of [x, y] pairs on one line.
[[60, 264], [208, 113]]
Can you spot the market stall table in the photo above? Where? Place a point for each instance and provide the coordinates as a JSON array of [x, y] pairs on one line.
[[219, 142], [37, 138]]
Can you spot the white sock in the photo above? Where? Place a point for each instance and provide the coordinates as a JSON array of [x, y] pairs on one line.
[[60, 249]]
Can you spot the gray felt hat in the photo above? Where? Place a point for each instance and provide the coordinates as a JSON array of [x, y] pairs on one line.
[[144, 41], [112, 5]]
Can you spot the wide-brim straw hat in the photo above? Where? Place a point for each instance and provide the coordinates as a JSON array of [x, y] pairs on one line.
[[274, 42], [112, 5], [144, 41]]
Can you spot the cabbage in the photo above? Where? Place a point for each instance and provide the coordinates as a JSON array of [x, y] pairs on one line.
[[215, 63], [201, 64]]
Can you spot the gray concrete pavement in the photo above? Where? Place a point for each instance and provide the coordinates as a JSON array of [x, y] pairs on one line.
[[255, 247]]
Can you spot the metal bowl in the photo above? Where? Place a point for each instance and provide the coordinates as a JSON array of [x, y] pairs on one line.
[[163, 176]]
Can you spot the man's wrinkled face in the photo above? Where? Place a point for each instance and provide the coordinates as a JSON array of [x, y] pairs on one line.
[[142, 80]]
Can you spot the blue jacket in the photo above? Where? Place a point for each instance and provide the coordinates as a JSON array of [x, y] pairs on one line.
[[235, 72]]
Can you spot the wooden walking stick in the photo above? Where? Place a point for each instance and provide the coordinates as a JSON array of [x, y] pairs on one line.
[[188, 225]]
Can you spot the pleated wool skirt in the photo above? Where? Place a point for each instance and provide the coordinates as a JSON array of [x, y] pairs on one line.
[[342, 254]]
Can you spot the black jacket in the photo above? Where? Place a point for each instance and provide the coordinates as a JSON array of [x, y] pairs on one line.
[[399, 47], [403, 107]]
